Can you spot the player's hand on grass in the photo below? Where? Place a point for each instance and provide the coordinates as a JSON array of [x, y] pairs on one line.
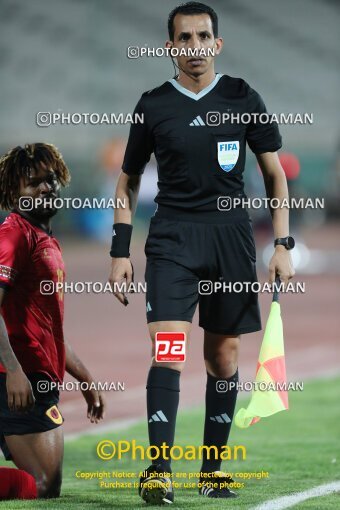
[[95, 405], [121, 269], [281, 265], [19, 391]]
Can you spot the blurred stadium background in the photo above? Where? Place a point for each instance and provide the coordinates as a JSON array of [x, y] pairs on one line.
[[71, 56]]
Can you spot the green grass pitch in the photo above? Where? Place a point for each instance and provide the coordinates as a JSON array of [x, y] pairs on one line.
[[299, 449]]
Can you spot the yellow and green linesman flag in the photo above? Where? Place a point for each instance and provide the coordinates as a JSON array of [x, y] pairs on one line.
[[271, 370]]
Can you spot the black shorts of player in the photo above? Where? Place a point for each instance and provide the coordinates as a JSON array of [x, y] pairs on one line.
[[183, 253], [44, 416]]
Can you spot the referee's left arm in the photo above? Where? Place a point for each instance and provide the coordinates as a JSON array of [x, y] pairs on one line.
[[264, 140], [276, 187]]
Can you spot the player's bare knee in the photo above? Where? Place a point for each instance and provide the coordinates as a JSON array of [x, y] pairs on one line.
[[47, 487], [220, 365], [42, 484]]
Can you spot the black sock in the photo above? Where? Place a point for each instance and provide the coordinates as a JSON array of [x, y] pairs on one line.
[[219, 412], [162, 402]]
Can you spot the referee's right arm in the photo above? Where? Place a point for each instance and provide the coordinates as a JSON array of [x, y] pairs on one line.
[[137, 154], [121, 268], [127, 190]]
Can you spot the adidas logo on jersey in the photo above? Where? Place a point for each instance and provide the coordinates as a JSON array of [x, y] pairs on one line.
[[223, 418], [158, 416], [197, 121], [148, 307]]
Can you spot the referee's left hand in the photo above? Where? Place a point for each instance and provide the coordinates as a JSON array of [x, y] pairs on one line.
[[281, 265], [95, 405]]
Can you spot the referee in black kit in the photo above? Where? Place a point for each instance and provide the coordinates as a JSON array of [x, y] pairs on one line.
[[190, 239]]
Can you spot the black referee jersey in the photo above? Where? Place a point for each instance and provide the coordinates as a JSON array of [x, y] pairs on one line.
[[197, 161]]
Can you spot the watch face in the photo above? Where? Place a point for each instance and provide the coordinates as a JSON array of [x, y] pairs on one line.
[[290, 243], [287, 242]]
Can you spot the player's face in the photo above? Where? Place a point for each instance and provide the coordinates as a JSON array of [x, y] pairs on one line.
[[195, 31], [41, 183]]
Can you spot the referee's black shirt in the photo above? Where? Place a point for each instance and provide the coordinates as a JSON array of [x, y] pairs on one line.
[[198, 162]]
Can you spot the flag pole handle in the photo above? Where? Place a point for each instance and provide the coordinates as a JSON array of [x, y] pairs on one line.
[[276, 292]]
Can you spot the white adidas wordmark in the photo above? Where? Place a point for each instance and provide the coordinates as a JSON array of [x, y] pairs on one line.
[[158, 416], [223, 418], [197, 121]]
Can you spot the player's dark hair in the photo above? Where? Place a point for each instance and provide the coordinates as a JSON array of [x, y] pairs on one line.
[[18, 163], [188, 9]]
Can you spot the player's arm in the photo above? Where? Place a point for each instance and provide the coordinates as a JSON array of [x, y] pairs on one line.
[[121, 268], [93, 397], [137, 154], [264, 140], [276, 187], [19, 390]]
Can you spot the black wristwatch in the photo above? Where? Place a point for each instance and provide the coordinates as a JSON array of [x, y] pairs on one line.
[[287, 242]]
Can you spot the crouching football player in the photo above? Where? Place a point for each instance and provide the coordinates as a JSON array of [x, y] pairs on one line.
[[33, 354]]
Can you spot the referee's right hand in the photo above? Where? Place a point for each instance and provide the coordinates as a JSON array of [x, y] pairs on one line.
[[121, 269], [19, 391]]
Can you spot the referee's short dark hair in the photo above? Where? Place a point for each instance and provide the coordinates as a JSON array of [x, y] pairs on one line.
[[192, 8]]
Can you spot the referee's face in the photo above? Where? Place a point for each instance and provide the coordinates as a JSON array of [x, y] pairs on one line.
[[195, 32]]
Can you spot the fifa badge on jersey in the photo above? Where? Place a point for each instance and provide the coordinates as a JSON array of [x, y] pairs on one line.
[[227, 154]]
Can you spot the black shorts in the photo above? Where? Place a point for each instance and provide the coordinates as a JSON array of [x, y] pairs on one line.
[[181, 254], [44, 416]]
